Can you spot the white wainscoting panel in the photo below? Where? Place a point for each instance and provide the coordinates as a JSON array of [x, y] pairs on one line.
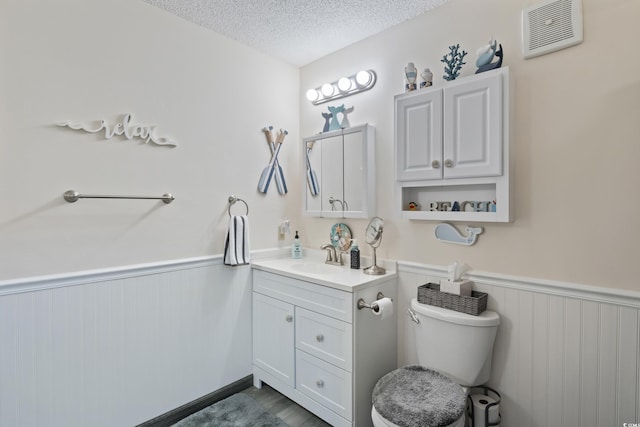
[[565, 355], [123, 347]]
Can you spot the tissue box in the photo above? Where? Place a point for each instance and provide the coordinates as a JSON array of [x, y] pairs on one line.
[[460, 287]]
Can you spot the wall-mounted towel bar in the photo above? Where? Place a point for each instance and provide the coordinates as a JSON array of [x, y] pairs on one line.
[[73, 196], [233, 199]]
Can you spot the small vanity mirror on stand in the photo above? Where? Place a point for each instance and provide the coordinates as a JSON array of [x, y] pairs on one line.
[[373, 236]]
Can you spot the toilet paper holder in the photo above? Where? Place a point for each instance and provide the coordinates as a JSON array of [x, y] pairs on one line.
[[373, 306], [486, 417]]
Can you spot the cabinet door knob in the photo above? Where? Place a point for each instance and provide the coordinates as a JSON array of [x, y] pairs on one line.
[[289, 318], [319, 337], [320, 383], [448, 163], [435, 164]]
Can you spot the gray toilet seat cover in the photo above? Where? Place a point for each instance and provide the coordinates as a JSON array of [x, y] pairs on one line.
[[415, 396]]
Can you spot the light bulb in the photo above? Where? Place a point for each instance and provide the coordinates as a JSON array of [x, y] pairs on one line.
[[327, 89], [312, 95], [344, 84], [363, 78]]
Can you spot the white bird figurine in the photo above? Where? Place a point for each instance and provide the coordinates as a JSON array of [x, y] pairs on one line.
[[486, 53]]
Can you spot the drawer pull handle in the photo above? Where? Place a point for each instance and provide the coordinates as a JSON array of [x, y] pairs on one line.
[[289, 318], [320, 383], [319, 337]]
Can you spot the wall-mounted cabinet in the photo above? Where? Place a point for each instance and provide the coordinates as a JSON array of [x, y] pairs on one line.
[[341, 163], [452, 150]]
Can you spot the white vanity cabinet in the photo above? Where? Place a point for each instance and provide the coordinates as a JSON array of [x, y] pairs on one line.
[[312, 344], [452, 144]]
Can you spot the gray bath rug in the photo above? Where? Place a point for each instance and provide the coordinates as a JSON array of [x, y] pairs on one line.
[[238, 410]]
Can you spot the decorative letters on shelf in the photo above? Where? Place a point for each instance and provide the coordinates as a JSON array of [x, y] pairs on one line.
[[126, 128], [466, 206]]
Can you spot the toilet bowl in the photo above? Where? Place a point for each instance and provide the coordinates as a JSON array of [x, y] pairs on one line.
[[454, 352], [417, 396], [380, 421]]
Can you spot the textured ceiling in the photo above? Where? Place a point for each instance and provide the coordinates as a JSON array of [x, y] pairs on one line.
[[297, 31]]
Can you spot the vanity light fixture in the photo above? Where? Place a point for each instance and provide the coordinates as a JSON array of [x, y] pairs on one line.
[[312, 94], [344, 84], [327, 90], [363, 80]]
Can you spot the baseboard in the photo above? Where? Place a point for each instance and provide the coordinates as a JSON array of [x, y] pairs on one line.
[[169, 418]]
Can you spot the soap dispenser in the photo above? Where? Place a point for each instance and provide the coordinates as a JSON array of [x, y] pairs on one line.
[[355, 255], [296, 248]]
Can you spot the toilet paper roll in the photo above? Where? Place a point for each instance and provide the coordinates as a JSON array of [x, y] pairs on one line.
[[382, 307], [480, 404]]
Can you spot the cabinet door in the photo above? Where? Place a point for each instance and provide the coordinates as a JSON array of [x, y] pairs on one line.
[[332, 178], [273, 337], [473, 128], [354, 180], [419, 136]]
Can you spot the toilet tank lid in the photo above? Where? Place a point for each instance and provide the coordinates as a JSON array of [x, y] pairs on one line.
[[486, 318]]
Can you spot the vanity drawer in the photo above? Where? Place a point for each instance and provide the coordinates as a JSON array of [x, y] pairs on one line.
[[324, 337], [322, 299], [325, 383]]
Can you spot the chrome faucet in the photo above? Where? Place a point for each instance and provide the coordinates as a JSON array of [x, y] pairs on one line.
[[333, 257]]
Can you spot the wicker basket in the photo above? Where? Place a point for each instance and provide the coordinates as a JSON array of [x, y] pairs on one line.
[[430, 294]]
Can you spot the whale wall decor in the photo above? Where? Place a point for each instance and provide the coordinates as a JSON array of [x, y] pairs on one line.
[[448, 233]]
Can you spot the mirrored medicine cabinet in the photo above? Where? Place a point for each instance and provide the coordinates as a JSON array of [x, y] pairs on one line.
[[339, 173]]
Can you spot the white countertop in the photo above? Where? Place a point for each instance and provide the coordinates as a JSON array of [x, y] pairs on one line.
[[312, 268]]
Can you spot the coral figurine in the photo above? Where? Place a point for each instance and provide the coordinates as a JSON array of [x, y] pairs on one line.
[[453, 62]]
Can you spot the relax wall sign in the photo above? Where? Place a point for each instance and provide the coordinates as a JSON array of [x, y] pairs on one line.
[[126, 127]]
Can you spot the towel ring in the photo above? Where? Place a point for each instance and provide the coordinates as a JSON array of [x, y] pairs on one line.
[[233, 199]]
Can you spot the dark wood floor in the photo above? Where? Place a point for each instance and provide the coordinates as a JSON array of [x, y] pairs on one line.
[[284, 408]]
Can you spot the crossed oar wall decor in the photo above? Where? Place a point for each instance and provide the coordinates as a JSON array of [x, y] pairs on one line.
[[273, 168]]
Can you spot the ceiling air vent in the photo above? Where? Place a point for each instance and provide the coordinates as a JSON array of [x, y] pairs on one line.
[[551, 26]]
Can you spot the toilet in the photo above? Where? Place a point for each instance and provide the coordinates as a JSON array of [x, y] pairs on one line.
[[454, 353]]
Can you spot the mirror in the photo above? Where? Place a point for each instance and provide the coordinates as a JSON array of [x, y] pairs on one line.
[[373, 233], [340, 173], [373, 237]]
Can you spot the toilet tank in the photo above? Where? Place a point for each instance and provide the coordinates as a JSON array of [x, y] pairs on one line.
[[456, 344]]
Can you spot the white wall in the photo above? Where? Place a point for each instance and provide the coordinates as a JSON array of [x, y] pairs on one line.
[[576, 125], [126, 348], [90, 60], [119, 347], [564, 355], [562, 275]]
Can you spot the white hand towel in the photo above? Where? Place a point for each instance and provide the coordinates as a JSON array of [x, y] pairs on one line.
[[236, 248]]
